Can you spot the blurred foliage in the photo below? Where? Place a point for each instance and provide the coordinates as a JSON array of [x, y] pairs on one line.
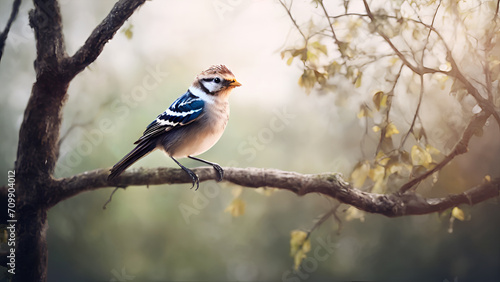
[[419, 53], [171, 233]]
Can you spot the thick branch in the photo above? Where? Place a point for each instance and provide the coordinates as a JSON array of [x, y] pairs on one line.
[[39, 133], [94, 45], [391, 205]]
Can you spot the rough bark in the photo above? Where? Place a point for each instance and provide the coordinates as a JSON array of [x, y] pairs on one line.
[[38, 148], [332, 185], [39, 133]]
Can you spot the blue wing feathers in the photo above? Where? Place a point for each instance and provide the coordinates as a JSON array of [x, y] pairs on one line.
[[184, 110]]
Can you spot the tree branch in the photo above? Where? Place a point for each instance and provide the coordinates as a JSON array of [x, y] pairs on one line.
[[332, 185], [5, 32], [289, 12], [460, 148], [94, 45]]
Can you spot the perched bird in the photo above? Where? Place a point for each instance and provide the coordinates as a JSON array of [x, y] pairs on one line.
[[191, 125]]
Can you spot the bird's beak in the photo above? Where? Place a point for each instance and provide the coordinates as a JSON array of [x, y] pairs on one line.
[[234, 83]]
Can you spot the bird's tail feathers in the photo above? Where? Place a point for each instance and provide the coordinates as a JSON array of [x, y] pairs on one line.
[[141, 150]]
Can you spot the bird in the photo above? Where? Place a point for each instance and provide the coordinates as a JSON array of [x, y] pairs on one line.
[[192, 124]]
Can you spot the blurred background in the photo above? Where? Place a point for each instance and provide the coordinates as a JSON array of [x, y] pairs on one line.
[[172, 233]]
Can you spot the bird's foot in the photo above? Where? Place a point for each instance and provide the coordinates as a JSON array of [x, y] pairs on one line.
[[194, 178], [220, 172]]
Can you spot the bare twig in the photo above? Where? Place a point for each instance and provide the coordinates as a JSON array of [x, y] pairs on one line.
[[323, 218], [421, 94], [110, 198], [496, 10], [330, 25], [12, 18], [288, 10]]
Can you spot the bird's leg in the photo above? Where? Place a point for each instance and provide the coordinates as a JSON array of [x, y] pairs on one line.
[[218, 168], [193, 175]]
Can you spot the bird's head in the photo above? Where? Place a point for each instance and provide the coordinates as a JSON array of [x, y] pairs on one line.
[[217, 80]]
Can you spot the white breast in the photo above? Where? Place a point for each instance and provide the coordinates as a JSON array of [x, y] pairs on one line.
[[207, 135]]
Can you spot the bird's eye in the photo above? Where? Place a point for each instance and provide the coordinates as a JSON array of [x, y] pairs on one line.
[[217, 80]]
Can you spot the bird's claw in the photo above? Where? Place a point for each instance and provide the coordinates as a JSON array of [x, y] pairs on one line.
[[194, 178], [220, 172]]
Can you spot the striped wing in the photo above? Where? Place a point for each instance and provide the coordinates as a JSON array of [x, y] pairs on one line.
[[184, 110]]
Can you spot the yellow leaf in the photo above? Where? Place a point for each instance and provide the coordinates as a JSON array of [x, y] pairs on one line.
[[236, 192], [416, 34], [377, 173], [376, 128], [380, 186], [354, 213], [265, 191], [128, 31], [394, 166], [393, 60], [432, 150], [359, 174], [390, 130], [458, 214], [236, 208], [441, 78], [333, 68], [307, 80], [420, 157], [320, 47], [289, 61], [364, 111], [487, 178], [380, 100], [357, 82], [297, 239], [299, 246]]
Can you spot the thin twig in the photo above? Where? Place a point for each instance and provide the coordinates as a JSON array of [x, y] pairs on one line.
[[12, 18], [110, 198], [330, 25], [289, 12], [421, 94], [323, 218], [496, 10]]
